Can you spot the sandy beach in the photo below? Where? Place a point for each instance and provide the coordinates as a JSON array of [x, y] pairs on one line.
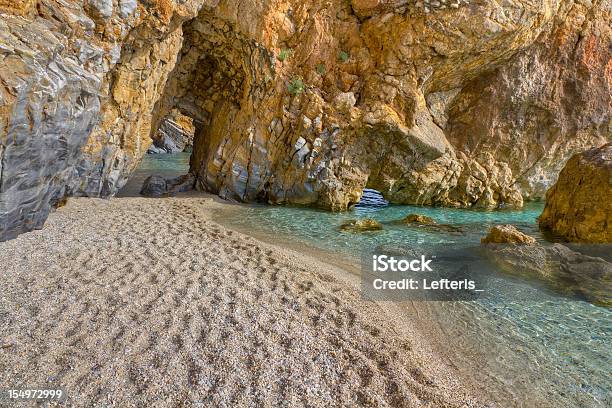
[[148, 302]]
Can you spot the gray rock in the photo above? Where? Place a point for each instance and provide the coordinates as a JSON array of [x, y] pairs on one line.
[[56, 106], [181, 184], [155, 150], [564, 270], [171, 138], [127, 7], [158, 186], [154, 186], [104, 7]]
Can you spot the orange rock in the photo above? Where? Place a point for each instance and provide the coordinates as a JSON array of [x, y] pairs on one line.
[[579, 206]]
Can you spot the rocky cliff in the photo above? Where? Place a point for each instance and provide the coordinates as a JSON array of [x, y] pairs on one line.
[[451, 102]]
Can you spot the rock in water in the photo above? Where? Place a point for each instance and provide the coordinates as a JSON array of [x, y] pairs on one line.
[[579, 206], [425, 223], [362, 225], [507, 234], [418, 219], [564, 270], [154, 186]]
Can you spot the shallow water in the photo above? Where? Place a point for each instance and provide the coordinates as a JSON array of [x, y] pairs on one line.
[[545, 351]]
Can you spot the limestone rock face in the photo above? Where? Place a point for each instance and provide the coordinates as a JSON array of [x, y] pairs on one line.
[[579, 206], [463, 103]]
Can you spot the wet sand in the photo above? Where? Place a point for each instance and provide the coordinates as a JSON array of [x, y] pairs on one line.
[[149, 302]]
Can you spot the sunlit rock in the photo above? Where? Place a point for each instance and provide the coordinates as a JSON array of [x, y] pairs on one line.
[[507, 234], [579, 206]]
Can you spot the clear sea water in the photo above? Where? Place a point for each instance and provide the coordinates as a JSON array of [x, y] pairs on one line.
[[547, 352]]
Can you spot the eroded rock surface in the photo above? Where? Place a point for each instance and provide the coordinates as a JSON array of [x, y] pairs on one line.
[[579, 206], [158, 186], [467, 103]]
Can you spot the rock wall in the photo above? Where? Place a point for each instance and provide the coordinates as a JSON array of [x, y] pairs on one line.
[[457, 103]]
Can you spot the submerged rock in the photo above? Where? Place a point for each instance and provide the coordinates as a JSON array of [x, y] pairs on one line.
[[507, 234], [428, 224], [562, 269], [579, 206], [418, 219], [361, 225]]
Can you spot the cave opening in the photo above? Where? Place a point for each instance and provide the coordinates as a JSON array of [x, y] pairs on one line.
[[371, 198], [168, 156]]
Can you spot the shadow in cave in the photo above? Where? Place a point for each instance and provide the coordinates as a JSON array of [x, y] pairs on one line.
[[169, 155]]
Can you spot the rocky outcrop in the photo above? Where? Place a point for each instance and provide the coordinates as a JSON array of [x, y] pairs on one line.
[[507, 234], [458, 104], [579, 206], [562, 269]]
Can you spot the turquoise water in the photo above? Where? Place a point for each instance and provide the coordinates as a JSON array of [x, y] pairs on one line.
[[546, 352], [549, 351]]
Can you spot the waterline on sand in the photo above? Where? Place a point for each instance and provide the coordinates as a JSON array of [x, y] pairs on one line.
[[522, 344]]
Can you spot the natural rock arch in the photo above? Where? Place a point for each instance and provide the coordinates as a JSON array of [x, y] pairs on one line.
[[305, 102]]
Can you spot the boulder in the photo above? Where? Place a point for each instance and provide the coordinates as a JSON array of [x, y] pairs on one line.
[[154, 186], [361, 225], [579, 206], [418, 219], [562, 269], [506, 234], [181, 184], [158, 186]]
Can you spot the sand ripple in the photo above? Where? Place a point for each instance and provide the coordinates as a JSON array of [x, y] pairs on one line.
[[147, 302]]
